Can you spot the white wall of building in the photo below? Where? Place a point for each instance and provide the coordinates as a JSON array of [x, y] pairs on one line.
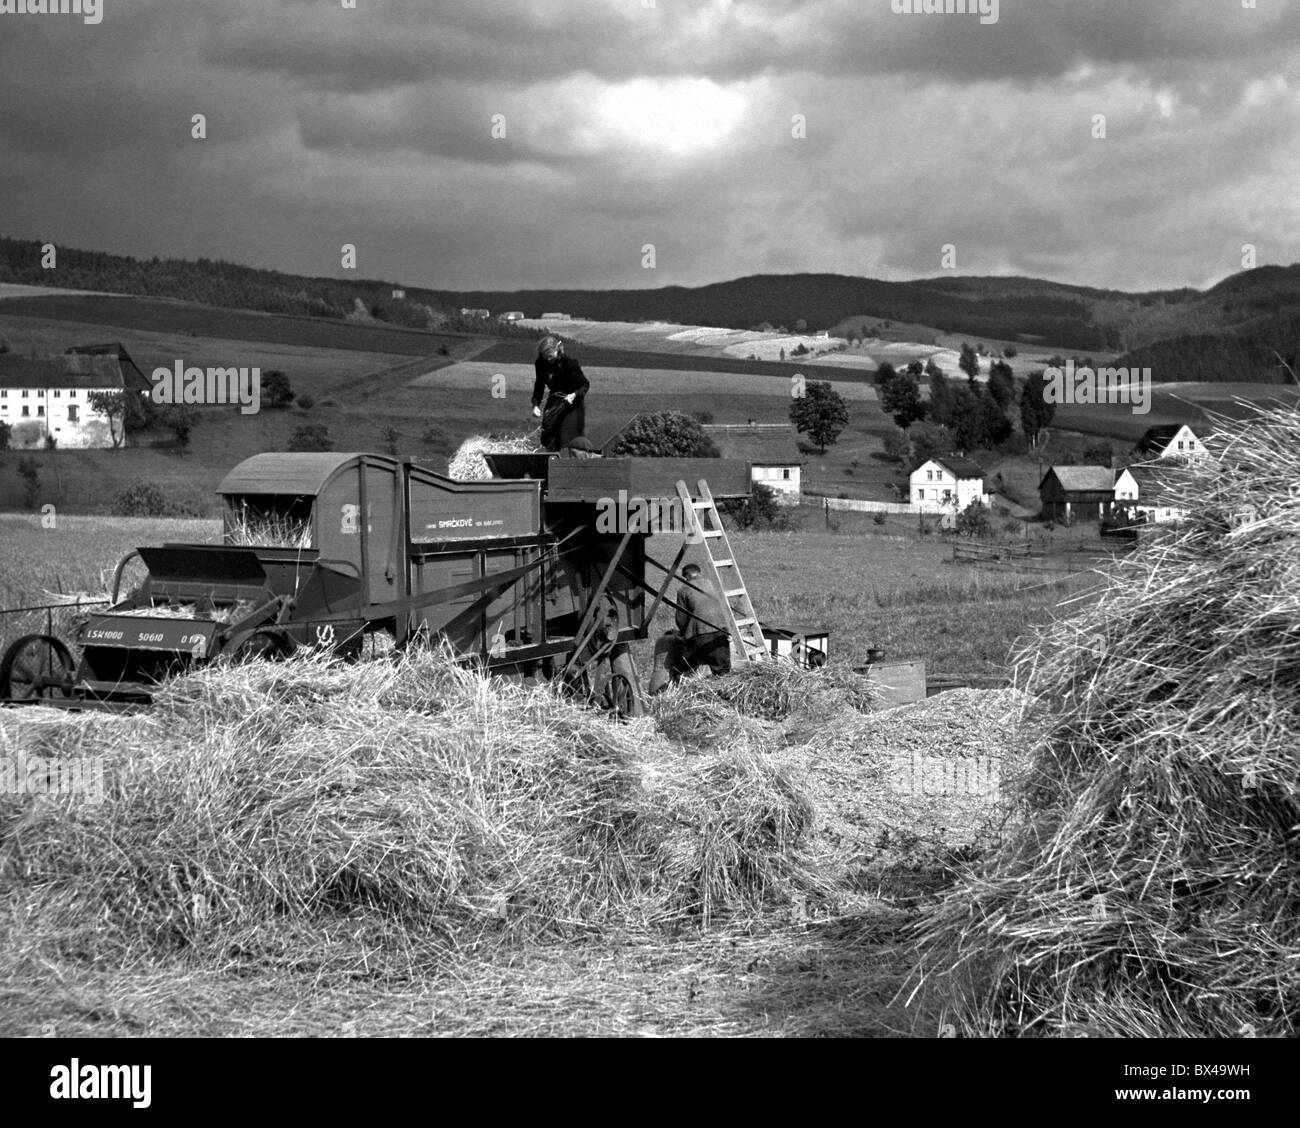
[[64, 413], [785, 481], [934, 487]]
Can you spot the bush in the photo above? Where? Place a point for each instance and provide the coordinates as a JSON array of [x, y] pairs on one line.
[[306, 402], [143, 498], [434, 436], [664, 434], [973, 521], [311, 437], [276, 390], [51, 442], [29, 470], [758, 511]]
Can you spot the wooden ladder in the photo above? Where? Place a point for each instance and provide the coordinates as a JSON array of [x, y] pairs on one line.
[[747, 640]]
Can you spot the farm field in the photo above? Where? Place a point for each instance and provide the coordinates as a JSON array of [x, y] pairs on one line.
[[478, 374], [158, 316]]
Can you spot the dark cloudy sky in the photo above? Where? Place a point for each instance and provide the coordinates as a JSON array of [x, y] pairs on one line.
[[628, 124]]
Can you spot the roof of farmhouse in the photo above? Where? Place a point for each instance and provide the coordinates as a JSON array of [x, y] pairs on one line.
[[1084, 479], [93, 372], [963, 469], [762, 444]]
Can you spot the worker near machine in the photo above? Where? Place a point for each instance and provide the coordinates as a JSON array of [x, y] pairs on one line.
[[564, 418], [700, 619]]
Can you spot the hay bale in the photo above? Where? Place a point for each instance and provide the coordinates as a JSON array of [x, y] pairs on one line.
[[468, 463], [1154, 888]]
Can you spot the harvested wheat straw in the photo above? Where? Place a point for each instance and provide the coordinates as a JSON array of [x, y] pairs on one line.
[[468, 463], [1155, 886], [263, 801]]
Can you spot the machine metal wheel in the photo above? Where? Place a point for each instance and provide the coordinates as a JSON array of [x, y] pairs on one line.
[[36, 667], [621, 695], [262, 643]]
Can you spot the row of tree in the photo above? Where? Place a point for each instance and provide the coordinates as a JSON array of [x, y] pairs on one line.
[[962, 415]]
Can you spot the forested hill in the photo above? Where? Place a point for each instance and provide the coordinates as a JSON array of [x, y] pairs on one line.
[[1228, 332]]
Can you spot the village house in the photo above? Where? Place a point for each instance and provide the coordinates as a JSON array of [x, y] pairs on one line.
[[1077, 493], [1144, 492], [48, 397], [947, 483], [556, 317], [772, 451], [483, 313], [512, 316], [1175, 441]]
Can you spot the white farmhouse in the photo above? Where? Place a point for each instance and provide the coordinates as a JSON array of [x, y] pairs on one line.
[[1144, 491], [772, 451], [947, 483], [49, 396], [1174, 441]]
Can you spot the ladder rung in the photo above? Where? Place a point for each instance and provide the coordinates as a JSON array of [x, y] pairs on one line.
[[712, 532], [746, 622], [734, 592], [701, 505], [724, 563]]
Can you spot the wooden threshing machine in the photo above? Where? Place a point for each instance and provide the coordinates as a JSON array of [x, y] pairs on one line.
[[524, 573]]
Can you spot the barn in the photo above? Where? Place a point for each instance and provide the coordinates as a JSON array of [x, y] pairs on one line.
[[772, 451], [1077, 493]]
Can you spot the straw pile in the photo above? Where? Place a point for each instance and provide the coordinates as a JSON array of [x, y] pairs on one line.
[[1154, 888], [259, 809], [269, 529], [468, 463], [908, 792]]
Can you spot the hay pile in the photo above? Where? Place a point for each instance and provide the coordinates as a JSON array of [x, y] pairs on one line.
[[259, 809], [917, 789], [1155, 886], [468, 464]]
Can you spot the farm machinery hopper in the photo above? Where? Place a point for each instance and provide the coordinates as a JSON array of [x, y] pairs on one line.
[[520, 573]]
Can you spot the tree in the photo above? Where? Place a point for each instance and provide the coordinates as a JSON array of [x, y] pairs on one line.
[[820, 412], [1002, 384], [5, 432], [941, 398], [664, 434], [276, 391], [758, 511], [973, 521], [114, 406], [29, 470], [969, 362], [897, 447], [1035, 412], [928, 441], [180, 419], [311, 437], [900, 396]]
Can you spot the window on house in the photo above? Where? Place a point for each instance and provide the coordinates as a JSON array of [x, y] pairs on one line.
[[785, 474], [24, 393], [56, 393], [72, 413], [4, 393], [26, 410], [40, 409]]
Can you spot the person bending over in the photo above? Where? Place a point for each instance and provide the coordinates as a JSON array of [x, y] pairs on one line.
[[564, 418]]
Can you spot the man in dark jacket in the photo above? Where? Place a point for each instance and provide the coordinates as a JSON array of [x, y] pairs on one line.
[[707, 641], [564, 419]]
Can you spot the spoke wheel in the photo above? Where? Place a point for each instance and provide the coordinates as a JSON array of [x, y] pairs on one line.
[[264, 643], [36, 667]]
